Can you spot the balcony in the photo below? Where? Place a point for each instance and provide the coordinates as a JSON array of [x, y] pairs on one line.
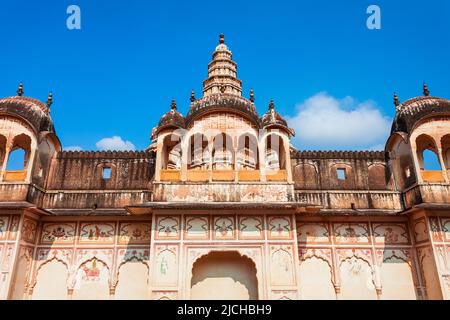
[[15, 175], [170, 175], [432, 176]]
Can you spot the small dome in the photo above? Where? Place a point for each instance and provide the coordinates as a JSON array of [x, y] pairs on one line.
[[413, 110], [31, 110], [171, 119], [273, 119], [222, 47]]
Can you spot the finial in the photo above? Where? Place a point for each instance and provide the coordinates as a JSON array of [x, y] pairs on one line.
[[426, 92], [192, 95], [49, 99], [396, 101], [252, 95], [271, 105], [20, 90], [173, 105], [222, 38]]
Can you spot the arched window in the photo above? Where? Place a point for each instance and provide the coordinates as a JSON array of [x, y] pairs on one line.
[[247, 158], [171, 152], [427, 153], [16, 160], [199, 152], [223, 152], [429, 163], [275, 153], [430, 160]]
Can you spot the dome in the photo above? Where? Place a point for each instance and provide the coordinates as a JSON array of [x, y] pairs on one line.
[[273, 119], [33, 111], [223, 102], [171, 119], [222, 47], [411, 111]]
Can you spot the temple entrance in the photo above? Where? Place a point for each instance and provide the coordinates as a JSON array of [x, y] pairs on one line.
[[224, 276]]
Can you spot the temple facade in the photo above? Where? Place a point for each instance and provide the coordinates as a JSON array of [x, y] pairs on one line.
[[222, 206]]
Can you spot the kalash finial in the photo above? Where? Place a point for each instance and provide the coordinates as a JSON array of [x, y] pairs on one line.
[[20, 90], [396, 101], [221, 38], [173, 105], [426, 92], [271, 105], [49, 99], [192, 95], [252, 96]]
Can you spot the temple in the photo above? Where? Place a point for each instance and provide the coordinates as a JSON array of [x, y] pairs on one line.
[[221, 205]]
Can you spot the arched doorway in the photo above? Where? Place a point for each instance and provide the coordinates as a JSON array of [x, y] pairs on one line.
[[224, 276]]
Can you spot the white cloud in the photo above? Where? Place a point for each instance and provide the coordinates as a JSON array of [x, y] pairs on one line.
[[115, 143], [325, 122], [73, 148]]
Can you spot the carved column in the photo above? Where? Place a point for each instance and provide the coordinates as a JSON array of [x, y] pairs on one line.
[[262, 160], [184, 159], [158, 159], [416, 164], [5, 162]]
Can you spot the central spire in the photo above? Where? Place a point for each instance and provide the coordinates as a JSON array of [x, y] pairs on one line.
[[222, 72]]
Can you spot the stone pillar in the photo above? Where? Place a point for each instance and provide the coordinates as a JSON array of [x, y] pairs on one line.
[[210, 149], [30, 164], [5, 162], [416, 164], [184, 159], [158, 161], [288, 160], [262, 160], [441, 161]]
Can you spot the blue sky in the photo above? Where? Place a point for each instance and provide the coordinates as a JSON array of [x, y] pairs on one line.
[[330, 75]]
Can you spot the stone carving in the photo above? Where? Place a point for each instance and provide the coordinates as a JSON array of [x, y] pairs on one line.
[[14, 228], [313, 232], [166, 267], [135, 233], [324, 254], [53, 233], [167, 227], [45, 255], [351, 232], [29, 229], [224, 228], [420, 230], [251, 227], [3, 227], [7, 258], [365, 254], [130, 254], [279, 227], [435, 229], [391, 233], [97, 232], [446, 228], [442, 263], [281, 265], [197, 228]]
